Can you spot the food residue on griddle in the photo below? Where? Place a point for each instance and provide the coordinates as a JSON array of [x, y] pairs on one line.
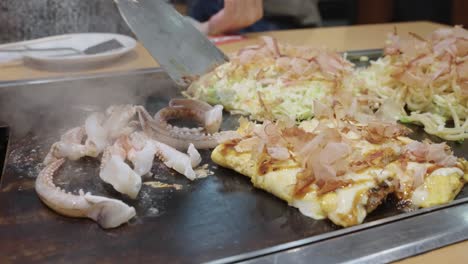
[[203, 171], [158, 184]]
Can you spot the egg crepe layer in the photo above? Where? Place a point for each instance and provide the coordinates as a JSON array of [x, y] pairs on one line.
[[360, 192]]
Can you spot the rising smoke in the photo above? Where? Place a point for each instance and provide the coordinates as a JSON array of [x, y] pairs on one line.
[[53, 107]]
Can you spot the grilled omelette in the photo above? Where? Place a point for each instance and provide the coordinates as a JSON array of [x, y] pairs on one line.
[[362, 190]]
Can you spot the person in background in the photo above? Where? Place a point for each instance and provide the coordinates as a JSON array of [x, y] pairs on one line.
[[233, 16], [239, 16]]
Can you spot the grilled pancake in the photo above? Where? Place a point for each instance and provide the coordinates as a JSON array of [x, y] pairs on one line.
[[364, 190]]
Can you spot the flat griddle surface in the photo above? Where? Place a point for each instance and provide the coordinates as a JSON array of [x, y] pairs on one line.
[[216, 217]]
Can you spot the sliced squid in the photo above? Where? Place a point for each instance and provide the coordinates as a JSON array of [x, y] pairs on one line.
[[69, 146], [124, 180], [127, 155], [142, 153], [194, 156], [180, 162], [97, 134], [119, 119], [117, 173]]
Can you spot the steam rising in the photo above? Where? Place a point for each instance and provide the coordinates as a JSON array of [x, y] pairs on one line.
[[54, 107]]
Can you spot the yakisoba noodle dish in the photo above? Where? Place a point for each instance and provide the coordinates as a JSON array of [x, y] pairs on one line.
[[426, 75]]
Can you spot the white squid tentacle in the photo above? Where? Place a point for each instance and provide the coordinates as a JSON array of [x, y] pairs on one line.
[[108, 213], [179, 138]]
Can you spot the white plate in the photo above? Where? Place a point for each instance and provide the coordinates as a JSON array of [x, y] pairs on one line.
[[80, 42]]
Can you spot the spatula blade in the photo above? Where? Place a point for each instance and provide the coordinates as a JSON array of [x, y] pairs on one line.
[[171, 39]]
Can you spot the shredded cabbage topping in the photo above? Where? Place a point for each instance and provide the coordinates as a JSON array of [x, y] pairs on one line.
[[429, 77], [421, 81], [273, 81]]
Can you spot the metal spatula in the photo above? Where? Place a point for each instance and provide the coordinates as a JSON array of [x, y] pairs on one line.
[[171, 39], [105, 46]]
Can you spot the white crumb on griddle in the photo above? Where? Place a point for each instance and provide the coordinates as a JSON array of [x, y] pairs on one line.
[[152, 211], [26, 162], [158, 184], [203, 171]]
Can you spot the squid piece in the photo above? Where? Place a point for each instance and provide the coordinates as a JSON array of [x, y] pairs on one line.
[[114, 134], [97, 139], [69, 146], [141, 150], [118, 120], [207, 137], [108, 213], [117, 173], [99, 129], [194, 156], [142, 153], [210, 116], [174, 159]]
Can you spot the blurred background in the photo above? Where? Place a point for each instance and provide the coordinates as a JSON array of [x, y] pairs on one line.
[[24, 19]]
